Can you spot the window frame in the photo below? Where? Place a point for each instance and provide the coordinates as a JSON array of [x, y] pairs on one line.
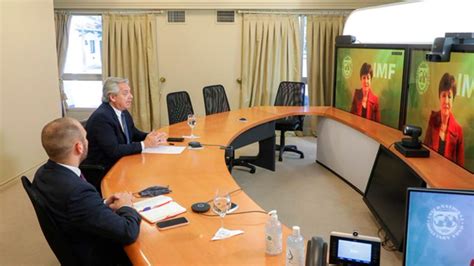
[[82, 76]]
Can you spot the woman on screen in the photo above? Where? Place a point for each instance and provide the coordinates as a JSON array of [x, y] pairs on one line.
[[444, 134], [365, 103]]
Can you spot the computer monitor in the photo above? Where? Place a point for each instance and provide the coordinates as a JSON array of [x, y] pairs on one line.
[[439, 227], [385, 194]]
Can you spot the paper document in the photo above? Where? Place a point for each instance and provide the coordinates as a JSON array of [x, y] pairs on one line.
[[158, 208], [165, 149], [223, 233]]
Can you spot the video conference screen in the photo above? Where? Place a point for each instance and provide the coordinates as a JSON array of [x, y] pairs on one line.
[[369, 83], [440, 227], [441, 101]]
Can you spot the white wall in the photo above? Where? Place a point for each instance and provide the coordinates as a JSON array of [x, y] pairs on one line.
[[422, 21], [222, 4], [198, 53], [29, 94]]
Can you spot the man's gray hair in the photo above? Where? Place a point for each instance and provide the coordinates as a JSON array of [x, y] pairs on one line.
[[111, 87]]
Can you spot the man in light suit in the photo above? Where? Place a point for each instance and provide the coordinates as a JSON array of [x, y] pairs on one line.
[[110, 129], [96, 229]]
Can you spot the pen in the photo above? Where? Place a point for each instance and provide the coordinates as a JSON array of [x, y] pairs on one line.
[[152, 207]]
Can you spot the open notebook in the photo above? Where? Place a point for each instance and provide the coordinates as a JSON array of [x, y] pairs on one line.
[[158, 208]]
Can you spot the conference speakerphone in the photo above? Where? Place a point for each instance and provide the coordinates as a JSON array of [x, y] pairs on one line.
[[354, 249]]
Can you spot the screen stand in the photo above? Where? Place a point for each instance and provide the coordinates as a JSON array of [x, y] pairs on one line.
[[410, 152]]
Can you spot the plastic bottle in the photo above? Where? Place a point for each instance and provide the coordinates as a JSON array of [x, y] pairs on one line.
[[295, 248], [273, 236]]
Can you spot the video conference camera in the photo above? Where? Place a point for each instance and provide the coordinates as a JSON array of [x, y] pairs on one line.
[[441, 48], [414, 132], [411, 147]]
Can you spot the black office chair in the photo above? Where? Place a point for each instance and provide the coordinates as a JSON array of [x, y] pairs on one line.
[[215, 101], [56, 240], [289, 94], [179, 106], [93, 174]]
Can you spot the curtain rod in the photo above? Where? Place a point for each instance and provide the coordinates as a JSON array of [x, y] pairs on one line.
[[295, 12], [100, 11]]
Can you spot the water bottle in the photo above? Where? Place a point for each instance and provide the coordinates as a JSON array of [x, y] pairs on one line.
[[295, 248], [273, 236]]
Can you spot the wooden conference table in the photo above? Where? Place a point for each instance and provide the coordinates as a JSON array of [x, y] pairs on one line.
[[194, 176]]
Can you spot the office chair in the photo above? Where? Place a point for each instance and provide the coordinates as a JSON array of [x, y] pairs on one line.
[[289, 94], [92, 172], [215, 101], [179, 106], [56, 240]]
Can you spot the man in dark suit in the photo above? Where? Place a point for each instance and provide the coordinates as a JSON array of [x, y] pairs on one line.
[[96, 229], [110, 129]]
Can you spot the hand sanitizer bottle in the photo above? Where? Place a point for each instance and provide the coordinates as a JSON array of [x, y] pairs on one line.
[[273, 236], [295, 248]]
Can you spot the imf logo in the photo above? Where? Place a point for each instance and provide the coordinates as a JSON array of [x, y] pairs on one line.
[[347, 67], [445, 222], [422, 78]]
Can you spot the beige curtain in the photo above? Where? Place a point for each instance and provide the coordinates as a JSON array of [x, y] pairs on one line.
[[129, 51], [321, 31], [271, 53], [62, 20]]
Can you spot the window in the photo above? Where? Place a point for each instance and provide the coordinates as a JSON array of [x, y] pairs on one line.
[[82, 76], [304, 72]]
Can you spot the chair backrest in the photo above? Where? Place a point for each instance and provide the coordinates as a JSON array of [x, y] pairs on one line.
[[179, 106], [93, 174], [57, 242], [215, 99], [290, 94]]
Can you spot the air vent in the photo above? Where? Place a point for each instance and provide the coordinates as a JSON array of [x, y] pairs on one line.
[[176, 16], [225, 16]]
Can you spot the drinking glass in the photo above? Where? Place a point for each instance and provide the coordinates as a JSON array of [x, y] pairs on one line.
[[221, 205], [192, 123]]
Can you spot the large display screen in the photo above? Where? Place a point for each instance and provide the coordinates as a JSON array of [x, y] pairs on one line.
[[441, 101], [385, 194], [369, 83], [440, 227]]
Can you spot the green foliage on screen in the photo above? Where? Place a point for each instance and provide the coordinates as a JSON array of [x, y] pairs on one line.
[[387, 82], [423, 88]]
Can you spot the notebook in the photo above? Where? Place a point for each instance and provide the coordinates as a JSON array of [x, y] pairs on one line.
[[158, 208]]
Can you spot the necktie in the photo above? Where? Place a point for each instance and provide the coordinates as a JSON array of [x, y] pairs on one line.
[[82, 177], [125, 128]]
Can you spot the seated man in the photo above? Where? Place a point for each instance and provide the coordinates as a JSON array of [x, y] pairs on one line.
[[96, 229], [110, 129]]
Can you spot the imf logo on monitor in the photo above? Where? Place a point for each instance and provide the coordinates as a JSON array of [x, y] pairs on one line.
[[445, 222], [422, 77], [347, 67]]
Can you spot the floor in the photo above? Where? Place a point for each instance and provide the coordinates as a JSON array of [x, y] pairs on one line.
[[303, 192]]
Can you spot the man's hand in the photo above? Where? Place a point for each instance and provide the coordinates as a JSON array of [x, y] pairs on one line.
[[154, 139], [120, 200]]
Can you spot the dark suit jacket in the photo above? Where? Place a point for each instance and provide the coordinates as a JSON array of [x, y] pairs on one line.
[[454, 147], [373, 109], [96, 233], [107, 142]]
